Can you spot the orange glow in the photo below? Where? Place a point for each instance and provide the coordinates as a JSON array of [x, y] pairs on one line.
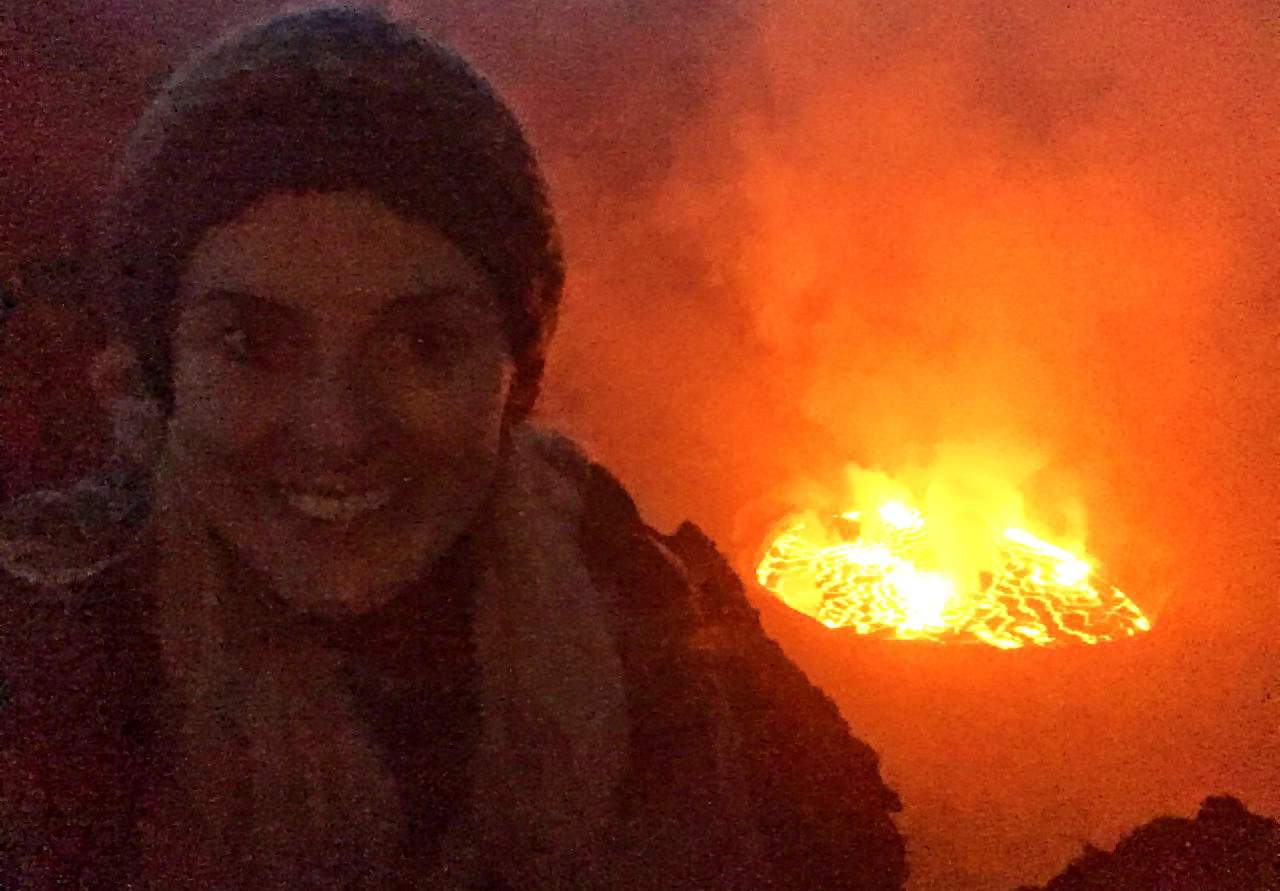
[[888, 572]]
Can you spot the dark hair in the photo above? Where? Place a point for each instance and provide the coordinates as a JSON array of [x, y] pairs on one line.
[[328, 99]]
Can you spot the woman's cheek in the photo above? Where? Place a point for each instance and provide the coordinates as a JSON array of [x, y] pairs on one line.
[[463, 411], [224, 406]]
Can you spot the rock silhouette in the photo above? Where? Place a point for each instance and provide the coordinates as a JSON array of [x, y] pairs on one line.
[[1224, 848]]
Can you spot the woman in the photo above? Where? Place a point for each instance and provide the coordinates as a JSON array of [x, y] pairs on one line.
[[346, 619]]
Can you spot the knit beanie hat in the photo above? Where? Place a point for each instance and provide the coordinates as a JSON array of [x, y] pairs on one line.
[[329, 99]]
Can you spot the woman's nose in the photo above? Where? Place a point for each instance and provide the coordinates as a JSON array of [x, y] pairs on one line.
[[333, 413]]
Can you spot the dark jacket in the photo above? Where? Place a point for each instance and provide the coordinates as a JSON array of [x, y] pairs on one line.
[[81, 740]]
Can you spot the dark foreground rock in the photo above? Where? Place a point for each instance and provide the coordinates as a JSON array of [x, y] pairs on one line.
[[1225, 848]]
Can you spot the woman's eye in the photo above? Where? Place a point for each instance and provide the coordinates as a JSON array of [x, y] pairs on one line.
[[236, 342], [433, 346]]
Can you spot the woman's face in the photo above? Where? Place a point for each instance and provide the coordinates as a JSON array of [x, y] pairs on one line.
[[340, 376]]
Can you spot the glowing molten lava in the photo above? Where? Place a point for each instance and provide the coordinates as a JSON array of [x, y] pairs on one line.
[[885, 573]]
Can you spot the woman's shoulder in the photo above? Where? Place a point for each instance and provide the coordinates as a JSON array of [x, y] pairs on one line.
[[816, 792], [73, 628], [72, 586], [824, 810], [60, 544], [77, 678]]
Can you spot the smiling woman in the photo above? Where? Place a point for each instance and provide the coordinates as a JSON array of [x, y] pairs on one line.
[[338, 614]]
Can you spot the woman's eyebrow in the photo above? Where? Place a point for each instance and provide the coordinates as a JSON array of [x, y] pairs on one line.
[[443, 298], [252, 304]]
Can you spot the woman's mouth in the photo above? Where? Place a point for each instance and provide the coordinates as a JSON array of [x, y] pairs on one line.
[[336, 508]]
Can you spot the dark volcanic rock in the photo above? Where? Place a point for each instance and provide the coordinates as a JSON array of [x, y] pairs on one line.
[[1225, 848]]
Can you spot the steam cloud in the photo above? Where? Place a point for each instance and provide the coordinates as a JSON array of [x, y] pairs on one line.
[[876, 228]]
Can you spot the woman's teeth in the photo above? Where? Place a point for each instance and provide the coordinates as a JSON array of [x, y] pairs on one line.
[[336, 509]]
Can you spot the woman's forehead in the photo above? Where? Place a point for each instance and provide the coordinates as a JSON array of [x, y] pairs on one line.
[[343, 254]]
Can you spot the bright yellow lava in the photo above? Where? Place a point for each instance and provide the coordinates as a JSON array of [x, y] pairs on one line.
[[884, 581]]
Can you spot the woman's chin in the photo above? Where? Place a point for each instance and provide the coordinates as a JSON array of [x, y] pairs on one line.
[[337, 594], [341, 570]]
